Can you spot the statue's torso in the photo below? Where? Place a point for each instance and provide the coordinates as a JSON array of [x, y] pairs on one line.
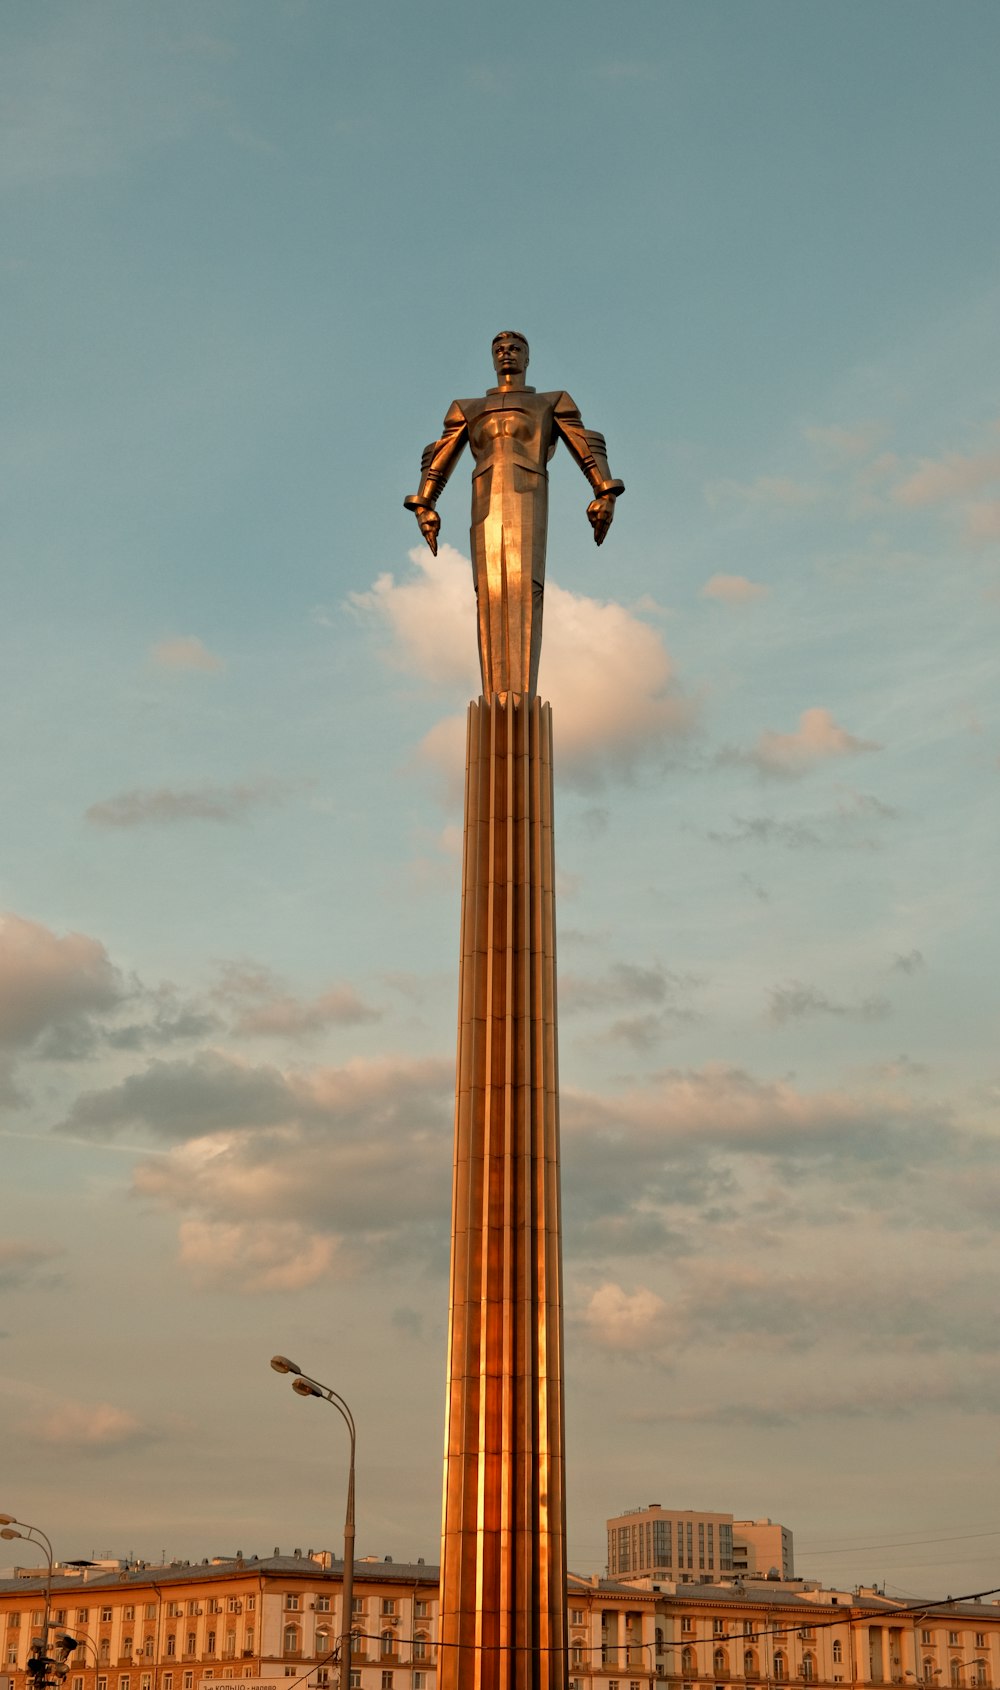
[[511, 426]]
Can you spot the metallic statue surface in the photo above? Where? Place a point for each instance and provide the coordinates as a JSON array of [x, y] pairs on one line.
[[512, 432]]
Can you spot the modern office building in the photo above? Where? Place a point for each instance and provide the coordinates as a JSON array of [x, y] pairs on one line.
[[672, 1543]]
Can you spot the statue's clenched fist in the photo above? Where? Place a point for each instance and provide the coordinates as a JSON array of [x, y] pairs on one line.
[[600, 515], [429, 524]]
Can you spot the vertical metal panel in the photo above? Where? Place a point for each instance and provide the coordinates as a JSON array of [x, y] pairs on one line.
[[503, 1552]]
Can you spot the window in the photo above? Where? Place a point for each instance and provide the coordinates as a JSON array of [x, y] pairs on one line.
[[233, 1604], [149, 1646], [578, 1654], [687, 1623], [355, 1679], [956, 1672], [576, 1616], [82, 1616], [171, 1644], [718, 1628], [808, 1632], [633, 1684], [215, 1606], [980, 1640], [192, 1640], [78, 1684], [123, 1681], [780, 1667], [387, 1643], [687, 1661], [322, 1604], [128, 1613], [322, 1642], [210, 1643], [126, 1648], [420, 1646], [13, 1621], [421, 1608], [720, 1665], [291, 1640], [749, 1663], [419, 1681], [105, 1649], [292, 1603], [146, 1681], [612, 1684], [925, 1637], [38, 1617], [105, 1615], [928, 1671], [979, 1676], [953, 1638], [357, 1604], [188, 1681], [173, 1609], [357, 1642], [838, 1650], [150, 1610], [102, 1684], [12, 1656], [808, 1667], [168, 1681], [388, 1604], [322, 1675], [387, 1681]]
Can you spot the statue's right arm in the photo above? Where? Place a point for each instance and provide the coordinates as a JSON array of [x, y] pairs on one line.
[[436, 464]]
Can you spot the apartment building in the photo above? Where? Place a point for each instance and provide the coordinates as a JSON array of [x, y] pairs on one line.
[[274, 1625], [763, 1547], [261, 1622]]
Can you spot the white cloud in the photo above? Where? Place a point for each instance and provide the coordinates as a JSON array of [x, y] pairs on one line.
[[430, 618], [617, 1319], [847, 443], [606, 672], [950, 477], [733, 589], [257, 1256], [817, 739], [264, 1009], [185, 652], [83, 1426], [982, 522]]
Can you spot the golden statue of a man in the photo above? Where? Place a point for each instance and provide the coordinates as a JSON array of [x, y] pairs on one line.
[[512, 432]]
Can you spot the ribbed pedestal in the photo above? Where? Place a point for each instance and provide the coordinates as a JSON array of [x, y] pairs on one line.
[[503, 1573]]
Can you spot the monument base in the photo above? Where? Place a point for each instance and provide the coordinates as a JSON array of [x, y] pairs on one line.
[[503, 1552]]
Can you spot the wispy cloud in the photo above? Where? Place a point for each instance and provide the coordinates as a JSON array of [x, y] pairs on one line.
[[264, 1009], [186, 652], [817, 739], [798, 1001], [733, 589], [167, 806], [97, 1428], [26, 1266]]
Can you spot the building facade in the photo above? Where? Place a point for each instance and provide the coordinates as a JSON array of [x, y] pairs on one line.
[[763, 1546], [274, 1625], [670, 1543]]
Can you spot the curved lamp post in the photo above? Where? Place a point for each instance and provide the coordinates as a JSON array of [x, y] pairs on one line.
[[35, 1535], [303, 1386]]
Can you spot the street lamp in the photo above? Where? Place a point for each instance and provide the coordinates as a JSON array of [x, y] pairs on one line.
[[303, 1386], [39, 1662]]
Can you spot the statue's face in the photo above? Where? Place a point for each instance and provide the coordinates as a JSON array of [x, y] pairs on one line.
[[510, 355]]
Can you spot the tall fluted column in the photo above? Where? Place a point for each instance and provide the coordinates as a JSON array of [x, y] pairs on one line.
[[503, 1573]]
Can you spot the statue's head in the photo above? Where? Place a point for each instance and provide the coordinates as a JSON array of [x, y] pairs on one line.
[[510, 353]]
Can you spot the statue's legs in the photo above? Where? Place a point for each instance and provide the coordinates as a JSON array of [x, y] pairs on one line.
[[509, 521]]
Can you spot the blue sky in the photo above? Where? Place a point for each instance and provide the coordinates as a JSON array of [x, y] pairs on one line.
[[250, 253]]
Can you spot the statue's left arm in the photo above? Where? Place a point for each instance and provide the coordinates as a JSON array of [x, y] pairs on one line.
[[436, 464], [591, 453]]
